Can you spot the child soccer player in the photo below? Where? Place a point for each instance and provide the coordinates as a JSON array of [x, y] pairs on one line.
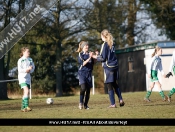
[[172, 68], [110, 64], [86, 63], [155, 65], [25, 67]]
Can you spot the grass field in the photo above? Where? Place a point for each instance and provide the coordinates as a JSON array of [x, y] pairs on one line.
[[67, 107]]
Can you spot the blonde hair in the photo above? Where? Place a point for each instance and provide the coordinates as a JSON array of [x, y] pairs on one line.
[[81, 45], [23, 49], [157, 48], [108, 36]]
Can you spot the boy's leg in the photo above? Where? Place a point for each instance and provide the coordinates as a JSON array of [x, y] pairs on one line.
[[82, 92], [148, 95], [149, 92], [118, 92], [109, 78], [22, 104], [26, 98], [111, 94], [164, 97], [87, 96], [161, 92], [171, 92], [116, 88]]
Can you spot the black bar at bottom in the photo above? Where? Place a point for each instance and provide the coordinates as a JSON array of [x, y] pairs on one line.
[[87, 122]]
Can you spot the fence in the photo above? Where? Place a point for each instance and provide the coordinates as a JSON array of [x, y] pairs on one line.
[[12, 80]]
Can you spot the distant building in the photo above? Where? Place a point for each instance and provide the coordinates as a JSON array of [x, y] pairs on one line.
[[133, 66]]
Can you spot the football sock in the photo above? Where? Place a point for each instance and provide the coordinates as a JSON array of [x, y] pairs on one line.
[[22, 104], [26, 101], [81, 98], [162, 94], [82, 92], [171, 92], [87, 97], [118, 92], [148, 94], [111, 97]]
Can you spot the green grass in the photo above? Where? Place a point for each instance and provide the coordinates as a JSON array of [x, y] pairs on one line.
[[67, 107]]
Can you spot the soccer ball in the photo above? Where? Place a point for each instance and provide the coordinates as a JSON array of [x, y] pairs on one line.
[[49, 101]]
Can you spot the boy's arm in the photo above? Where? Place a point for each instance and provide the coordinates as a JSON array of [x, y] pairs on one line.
[[33, 66], [103, 54], [171, 63]]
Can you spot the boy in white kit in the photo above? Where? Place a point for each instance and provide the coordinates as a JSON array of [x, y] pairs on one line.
[[25, 67], [172, 68]]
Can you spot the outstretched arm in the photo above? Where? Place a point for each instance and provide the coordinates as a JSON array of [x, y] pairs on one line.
[[103, 53], [171, 65], [33, 67]]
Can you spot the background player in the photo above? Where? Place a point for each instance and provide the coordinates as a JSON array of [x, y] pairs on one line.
[[110, 64], [172, 68], [86, 63], [25, 67], [155, 65]]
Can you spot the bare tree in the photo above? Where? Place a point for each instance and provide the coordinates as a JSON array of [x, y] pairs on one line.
[[120, 17], [9, 12], [6, 4], [162, 14], [65, 21]]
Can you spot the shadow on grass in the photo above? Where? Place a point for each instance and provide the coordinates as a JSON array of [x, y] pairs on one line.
[[35, 104], [17, 106]]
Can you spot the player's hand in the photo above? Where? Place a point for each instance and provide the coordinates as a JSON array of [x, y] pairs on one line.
[[94, 56], [169, 74], [91, 54], [31, 67], [28, 69]]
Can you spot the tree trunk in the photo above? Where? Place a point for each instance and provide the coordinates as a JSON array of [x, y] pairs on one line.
[[131, 22], [4, 70], [59, 90], [3, 86]]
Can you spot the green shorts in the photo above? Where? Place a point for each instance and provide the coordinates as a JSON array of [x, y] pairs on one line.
[[22, 85], [154, 77]]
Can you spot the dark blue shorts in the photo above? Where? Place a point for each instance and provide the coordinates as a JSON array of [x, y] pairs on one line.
[[110, 76], [85, 77]]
